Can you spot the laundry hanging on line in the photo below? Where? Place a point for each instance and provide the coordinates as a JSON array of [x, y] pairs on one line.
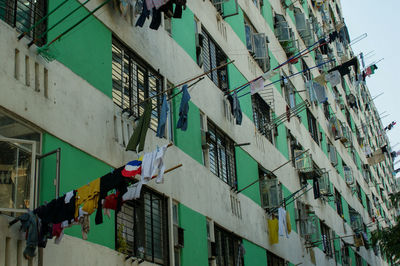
[[344, 69]]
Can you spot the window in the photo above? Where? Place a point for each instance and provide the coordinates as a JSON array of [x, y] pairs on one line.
[[285, 35], [273, 259], [369, 207], [358, 189], [213, 56], [23, 15], [332, 153], [326, 239], [312, 127], [338, 202], [221, 155], [289, 91], [256, 44], [270, 190], [178, 234], [358, 260], [228, 245], [133, 81], [142, 228], [327, 113], [262, 116]]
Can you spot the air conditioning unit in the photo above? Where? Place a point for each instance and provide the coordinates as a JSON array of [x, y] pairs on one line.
[[303, 161], [333, 155], [324, 185], [271, 193], [348, 175]]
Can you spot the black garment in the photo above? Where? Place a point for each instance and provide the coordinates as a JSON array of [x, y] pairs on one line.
[[167, 9], [324, 46], [156, 21], [384, 149], [352, 101], [230, 99], [143, 16], [316, 191], [57, 211], [344, 68], [333, 36], [45, 233], [110, 181]]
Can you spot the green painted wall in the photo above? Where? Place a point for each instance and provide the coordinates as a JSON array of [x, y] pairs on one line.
[[236, 79], [85, 48], [346, 213], [281, 141], [188, 141], [290, 208], [195, 250], [255, 255], [247, 172], [183, 32], [236, 21], [352, 257], [267, 14], [76, 169]]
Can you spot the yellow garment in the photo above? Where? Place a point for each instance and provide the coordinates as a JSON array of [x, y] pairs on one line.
[[288, 225], [320, 79], [87, 195], [312, 256], [273, 231]]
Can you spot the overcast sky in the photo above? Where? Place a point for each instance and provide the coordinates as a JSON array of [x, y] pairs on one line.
[[381, 21]]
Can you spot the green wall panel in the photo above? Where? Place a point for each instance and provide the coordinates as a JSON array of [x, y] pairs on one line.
[[183, 32], [236, 79], [267, 14], [346, 213], [188, 141], [281, 141], [77, 168], [195, 250], [290, 208], [85, 48], [236, 21], [255, 255], [247, 172]]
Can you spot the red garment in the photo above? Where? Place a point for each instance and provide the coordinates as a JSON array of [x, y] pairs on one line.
[[57, 230], [110, 202]]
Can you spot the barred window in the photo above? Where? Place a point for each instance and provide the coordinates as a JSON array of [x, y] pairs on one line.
[[24, 14], [326, 239], [312, 126], [228, 248], [273, 259], [133, 81], [262, 116], [213, 56], [142, 228], [221, 154]]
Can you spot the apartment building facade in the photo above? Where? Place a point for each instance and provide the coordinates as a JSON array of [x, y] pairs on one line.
[[72, 92]]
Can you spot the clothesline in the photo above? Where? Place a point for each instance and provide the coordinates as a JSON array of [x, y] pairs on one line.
[[293, 58], [276, 169], [284, 201], [300, 72], [182, 83], [288, 114]]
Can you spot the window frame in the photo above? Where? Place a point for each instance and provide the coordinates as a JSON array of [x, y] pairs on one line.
[[138, 223], [127, 86], [233, 241], [229, 150], [312, 126], [262, 113], [326, 245]]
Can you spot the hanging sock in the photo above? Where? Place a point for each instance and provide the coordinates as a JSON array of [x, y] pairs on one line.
[[139, 135], [163, 118], [184, 109], [179, 6], [143, 16], [156, 19]]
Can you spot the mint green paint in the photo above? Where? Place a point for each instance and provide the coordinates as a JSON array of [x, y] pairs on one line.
[[188, 141], [76, 169], [346, 213], [247, 172], [85, 48], [352, 257], [267, 14], [255, 255], [281, 141], [364, 198], [236, 79], [237, 21], [183, 32], [290, 208], [274, 63], [195, 235], [337, 249]]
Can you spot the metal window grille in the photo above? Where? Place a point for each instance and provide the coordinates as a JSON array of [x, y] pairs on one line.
[[213, 56], [227, 248], [272, 259], [326, 239], [221, 155], [24, 14], [142, 228], [262, 116], [312, 126], [133, 81]]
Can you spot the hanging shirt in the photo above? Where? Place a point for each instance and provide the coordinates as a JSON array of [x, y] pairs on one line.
[[288, 224], [256, 85], [132, 192], [163, 118], [88, 195], [316, 191], [273, 231], [344, 68], [184, 109], [29, 225], [139, 135], [320, 79], [237, 111], [320, 92], [333, 78], [282, 222]]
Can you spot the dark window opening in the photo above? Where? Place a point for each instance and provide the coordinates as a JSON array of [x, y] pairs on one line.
[[312, 127], [262, 116], [228, 248]]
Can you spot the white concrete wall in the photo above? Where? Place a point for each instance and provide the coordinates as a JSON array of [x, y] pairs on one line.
[[67, 113]]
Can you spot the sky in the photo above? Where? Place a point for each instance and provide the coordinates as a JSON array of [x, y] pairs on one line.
[[381, 21]]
